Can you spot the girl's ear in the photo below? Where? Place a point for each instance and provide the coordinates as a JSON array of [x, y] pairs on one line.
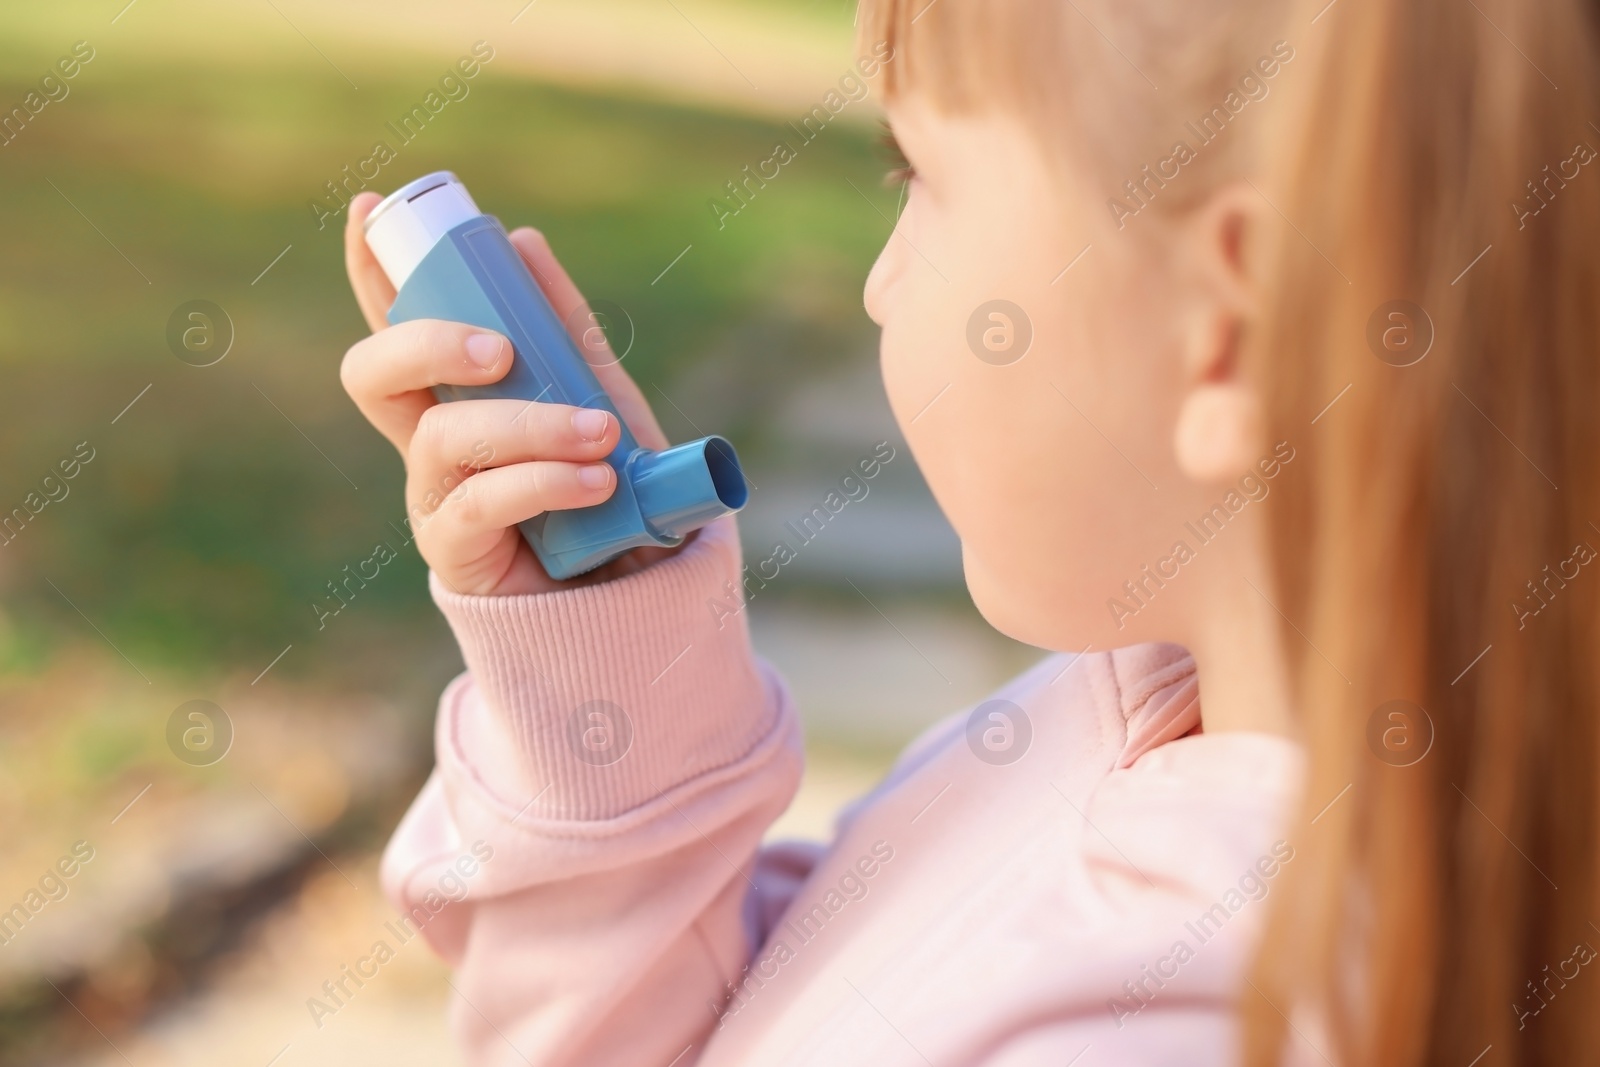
[[1220, 429]]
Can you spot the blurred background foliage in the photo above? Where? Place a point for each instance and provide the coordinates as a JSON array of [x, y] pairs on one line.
[[185, 558], [207, 524]]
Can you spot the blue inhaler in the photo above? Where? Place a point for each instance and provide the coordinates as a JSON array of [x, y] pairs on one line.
[[450, 261]]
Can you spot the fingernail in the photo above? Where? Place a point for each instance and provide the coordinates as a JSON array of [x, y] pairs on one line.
[[484, 349], [595, 476], [591, 423]]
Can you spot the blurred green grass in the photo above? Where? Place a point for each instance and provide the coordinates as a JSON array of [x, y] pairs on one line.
[[207, 524]]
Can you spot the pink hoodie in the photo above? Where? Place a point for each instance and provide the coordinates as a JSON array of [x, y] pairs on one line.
[[1079, 880]]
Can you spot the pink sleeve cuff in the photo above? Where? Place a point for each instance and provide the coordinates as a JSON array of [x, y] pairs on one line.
[[592, 701]]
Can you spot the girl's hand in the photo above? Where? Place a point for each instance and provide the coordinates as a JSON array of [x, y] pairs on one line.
[[476, 468]]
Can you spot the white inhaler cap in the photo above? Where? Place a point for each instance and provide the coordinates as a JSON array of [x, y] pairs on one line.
[[410, 221]]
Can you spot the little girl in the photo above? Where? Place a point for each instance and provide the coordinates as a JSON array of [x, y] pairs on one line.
[[1250, 348]]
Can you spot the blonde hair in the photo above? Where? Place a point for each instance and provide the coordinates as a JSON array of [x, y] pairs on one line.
[[1425, 549], [1438, 502], [1096, 80]]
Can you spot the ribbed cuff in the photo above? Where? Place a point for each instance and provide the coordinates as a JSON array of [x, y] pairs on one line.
[[612, 694]]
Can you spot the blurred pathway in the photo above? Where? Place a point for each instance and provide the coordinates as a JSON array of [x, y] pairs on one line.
[[776, 59]]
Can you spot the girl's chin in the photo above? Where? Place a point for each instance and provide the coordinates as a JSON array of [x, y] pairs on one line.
[[1043, 614], [1015, 612]]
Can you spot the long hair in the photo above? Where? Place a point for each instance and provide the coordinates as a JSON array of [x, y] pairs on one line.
[[1432, 330], [1436, 552]]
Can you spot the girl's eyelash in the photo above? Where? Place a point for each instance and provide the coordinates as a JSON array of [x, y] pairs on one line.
[[900, 169]]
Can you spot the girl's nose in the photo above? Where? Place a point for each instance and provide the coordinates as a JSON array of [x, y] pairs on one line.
[[875, 295]]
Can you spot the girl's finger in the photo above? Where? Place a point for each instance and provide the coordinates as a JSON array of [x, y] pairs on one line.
[[573, 310], [477, 434], [373, 292], [464, 522], [389, 374]]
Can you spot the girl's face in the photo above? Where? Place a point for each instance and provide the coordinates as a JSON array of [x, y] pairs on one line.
[[1031, 353]]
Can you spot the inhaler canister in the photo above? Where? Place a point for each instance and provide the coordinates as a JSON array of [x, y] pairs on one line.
[[448, 260]]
